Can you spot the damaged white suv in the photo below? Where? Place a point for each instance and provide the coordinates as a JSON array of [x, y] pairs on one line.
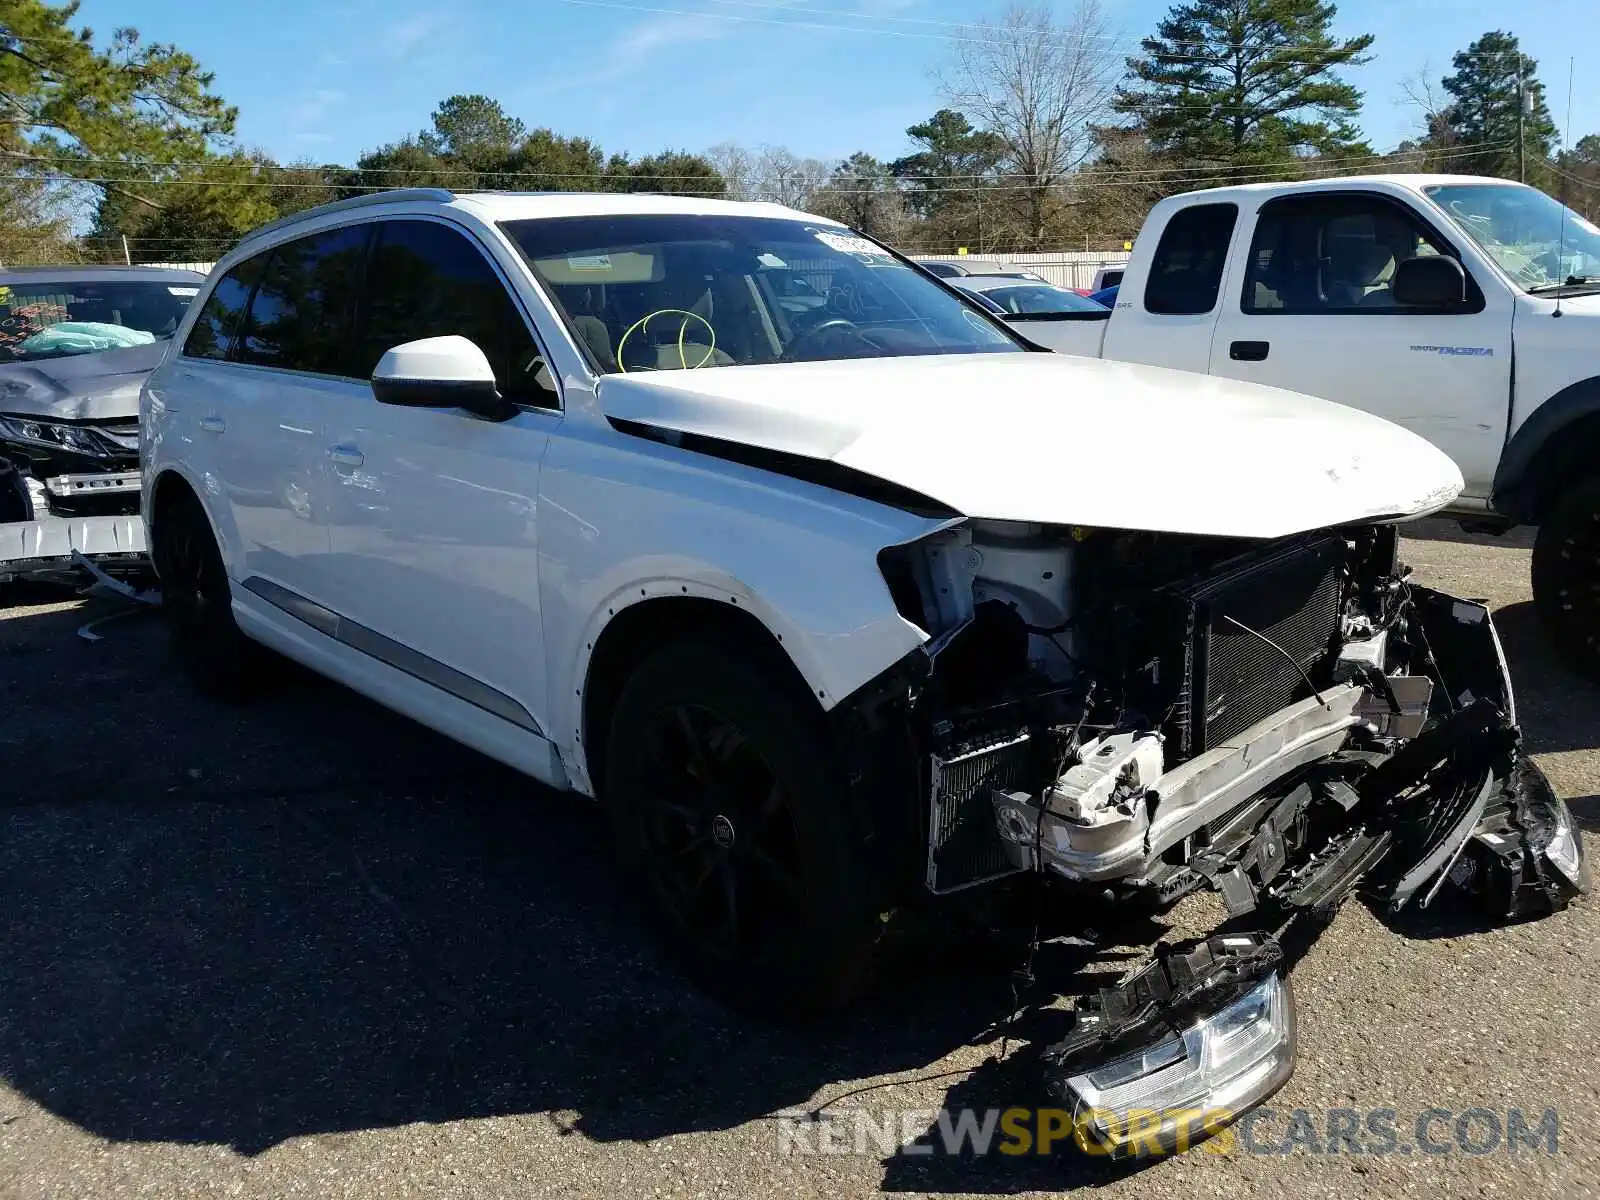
[[843, 599]]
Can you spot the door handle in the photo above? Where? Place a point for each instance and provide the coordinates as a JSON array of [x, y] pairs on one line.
[[1249, 351], [346, 456], [212, 424]]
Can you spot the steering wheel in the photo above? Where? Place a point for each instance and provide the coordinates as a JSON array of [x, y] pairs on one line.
[[824, 329], [643, 322]]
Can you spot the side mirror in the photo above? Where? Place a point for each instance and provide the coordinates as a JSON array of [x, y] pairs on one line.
[[1430, 281], [440, 372]]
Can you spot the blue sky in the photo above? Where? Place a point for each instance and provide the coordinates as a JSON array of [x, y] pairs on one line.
[[326, 79]]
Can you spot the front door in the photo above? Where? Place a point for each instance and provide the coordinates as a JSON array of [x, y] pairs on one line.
[[434, 512], [1315, 313]]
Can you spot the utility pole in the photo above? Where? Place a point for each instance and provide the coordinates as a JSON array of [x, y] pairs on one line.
[[1522, 108]]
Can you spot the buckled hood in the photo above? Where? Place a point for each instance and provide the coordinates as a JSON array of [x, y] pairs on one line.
[[80, 387], [1061, 440]]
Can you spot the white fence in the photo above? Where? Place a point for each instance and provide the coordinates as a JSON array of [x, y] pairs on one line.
[[203, 268], [1064, 268]]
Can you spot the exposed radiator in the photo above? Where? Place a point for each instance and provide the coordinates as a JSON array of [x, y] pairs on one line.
[[963, 845], [1235, 679]]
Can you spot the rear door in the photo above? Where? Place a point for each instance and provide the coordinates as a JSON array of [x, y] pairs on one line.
[[434, 521], [287, 368], [1180, 293], [1314, 312]]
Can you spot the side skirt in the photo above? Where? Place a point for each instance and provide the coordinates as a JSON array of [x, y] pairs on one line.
[[310, 635]]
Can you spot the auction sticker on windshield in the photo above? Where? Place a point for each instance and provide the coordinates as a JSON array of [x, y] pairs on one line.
[[848, 244]]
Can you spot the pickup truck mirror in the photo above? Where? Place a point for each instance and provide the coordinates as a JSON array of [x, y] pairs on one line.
[[440, 372], [1430, 281]]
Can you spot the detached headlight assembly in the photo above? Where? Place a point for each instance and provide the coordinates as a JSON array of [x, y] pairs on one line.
[[51, 435], [1188, 1087]]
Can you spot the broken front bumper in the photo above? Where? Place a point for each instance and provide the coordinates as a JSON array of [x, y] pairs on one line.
[[1205, 1032], [44, 549]]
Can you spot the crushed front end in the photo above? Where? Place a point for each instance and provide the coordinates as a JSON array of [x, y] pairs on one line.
[[1141, 716], [68, 487]]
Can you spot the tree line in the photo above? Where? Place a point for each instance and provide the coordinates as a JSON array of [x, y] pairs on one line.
[[1046, 138]]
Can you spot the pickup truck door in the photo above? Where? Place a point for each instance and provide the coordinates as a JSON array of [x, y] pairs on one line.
[[1315, 314]]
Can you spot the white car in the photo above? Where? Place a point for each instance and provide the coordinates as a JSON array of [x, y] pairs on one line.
[[842, 609], [1033, 308]]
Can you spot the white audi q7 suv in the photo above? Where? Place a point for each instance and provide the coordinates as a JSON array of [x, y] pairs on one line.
[[845, 599]]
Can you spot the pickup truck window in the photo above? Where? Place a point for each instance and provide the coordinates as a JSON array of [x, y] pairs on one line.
[[1542, 245], [1186, 274], [1331, 254]]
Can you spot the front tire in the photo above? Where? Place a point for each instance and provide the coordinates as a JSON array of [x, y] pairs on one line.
[[1566, 576], [197, 601], [734, 830]]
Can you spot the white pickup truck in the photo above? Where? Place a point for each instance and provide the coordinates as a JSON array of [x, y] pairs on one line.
[[1466, 309]]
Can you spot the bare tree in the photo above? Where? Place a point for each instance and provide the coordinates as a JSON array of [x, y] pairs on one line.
[[1041, 83], [784, 177], [1424, 94], [736, 165]]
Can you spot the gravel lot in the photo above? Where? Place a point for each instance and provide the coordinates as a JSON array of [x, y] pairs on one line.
[[310, 948]]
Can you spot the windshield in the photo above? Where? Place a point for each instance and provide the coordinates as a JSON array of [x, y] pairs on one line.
[[53, 319], [1521, 228], [1039, 299], [673, 292]]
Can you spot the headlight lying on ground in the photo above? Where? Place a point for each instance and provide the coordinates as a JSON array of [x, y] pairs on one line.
[[1563, 851], [50, 435], [1187, 1087]]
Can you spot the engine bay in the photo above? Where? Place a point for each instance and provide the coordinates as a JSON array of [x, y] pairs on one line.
[[1141, 716]]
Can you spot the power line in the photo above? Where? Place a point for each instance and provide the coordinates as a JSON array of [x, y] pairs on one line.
[[1150, 173]]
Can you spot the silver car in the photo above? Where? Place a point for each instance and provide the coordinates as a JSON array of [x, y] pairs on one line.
[[75, 345]]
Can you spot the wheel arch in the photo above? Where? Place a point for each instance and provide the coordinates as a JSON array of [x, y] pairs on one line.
[[1557, 445], [631, 631], [173, 481]]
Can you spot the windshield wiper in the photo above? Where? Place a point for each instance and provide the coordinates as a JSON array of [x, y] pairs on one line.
[[1573, 281]]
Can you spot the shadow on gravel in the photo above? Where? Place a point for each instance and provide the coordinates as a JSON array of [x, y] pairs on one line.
[[1557, 708], [308, 915]]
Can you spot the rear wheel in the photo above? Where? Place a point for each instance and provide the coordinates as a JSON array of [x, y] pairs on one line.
[[1566, 576], [731, 820], [198, 603]]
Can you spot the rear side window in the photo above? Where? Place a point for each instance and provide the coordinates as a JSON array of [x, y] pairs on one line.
[[427, 280], [219, 316], [1186, 274], [300, 317]]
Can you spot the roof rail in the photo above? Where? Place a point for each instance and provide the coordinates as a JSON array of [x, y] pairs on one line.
[[392, 195]]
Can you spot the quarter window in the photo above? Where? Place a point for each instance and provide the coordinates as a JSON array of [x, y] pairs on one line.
[[1331, 254], [1186, 273], [300, 317], [219, 316], [428, 280]]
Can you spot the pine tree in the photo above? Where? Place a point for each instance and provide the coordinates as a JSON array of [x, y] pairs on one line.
[[1246, 84], [1491, 77]]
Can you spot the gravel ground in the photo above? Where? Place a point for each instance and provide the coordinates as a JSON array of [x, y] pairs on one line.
[[309, 948]]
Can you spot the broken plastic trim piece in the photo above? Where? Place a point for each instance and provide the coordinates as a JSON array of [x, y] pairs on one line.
[[1186, 1045]]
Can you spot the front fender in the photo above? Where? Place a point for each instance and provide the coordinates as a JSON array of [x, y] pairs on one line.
[[625, 521]]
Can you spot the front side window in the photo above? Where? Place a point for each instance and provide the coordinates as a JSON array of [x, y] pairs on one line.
[[300, 317], [1186, 273], [42, 318], [647, 292], [1543, 245], [1331, 254], [220, 315], [429, 280]]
